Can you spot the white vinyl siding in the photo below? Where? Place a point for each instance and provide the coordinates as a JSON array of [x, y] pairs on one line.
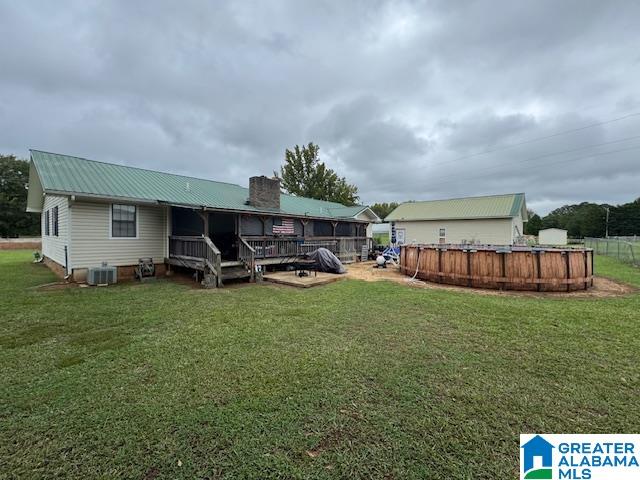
[[552, 236], [53, 245], [518, 227], [484, 231], [92, 242]]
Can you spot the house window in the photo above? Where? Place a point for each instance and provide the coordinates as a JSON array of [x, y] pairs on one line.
[[46, 222], [443, 232], [123, 221], [54, 220]]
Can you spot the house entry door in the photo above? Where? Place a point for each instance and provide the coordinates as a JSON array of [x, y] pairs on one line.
[[222, 231]]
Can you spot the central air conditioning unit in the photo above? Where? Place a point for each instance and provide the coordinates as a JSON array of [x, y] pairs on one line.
[[103, 275]]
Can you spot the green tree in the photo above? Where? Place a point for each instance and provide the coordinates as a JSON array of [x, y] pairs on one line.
[[625, 219], [384, 209], [14, 180], [581, 220], [589, 219], [534, 225], [304, 175]]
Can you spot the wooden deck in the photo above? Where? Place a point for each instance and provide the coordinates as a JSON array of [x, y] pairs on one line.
[[201, 254], [293, 280]]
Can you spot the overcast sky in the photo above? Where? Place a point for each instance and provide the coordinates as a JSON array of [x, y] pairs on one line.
[[402, 97]]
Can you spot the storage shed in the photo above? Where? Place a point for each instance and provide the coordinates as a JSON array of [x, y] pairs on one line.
[[552, 236], [493, 219]]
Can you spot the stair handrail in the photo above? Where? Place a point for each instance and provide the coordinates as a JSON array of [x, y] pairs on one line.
[[247, 255], [213, 259]]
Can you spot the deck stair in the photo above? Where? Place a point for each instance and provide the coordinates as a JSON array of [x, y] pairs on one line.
[[200, 254], [231, 263], [197, 253], [235, 273]]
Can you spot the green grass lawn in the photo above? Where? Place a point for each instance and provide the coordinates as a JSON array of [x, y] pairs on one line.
[[349, 380]]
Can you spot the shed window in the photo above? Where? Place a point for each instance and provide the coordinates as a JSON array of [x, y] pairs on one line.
[[54, 220], [442, 232], [123, 221], [46, 222]]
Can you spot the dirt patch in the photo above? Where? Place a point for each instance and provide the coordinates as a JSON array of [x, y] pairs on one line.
[[51, 287], [20, 244], [184, 278], [329, 441], [602, 287], [151, 474]]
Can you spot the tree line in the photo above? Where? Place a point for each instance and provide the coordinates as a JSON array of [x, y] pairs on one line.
[[14, 181], [589, 220]]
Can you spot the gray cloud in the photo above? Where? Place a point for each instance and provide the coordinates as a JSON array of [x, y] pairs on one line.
[[399, 95]]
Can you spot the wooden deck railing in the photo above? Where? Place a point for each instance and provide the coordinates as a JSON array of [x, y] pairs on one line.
[[247, 255], [214, 260], [198, 249], [273, 247], [350, 248], [201, 253], [345, 248]]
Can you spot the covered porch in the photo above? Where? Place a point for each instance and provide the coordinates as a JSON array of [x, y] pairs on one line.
[[224, 244]]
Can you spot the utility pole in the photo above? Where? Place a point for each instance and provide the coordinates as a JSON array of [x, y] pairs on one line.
[[606, 227]]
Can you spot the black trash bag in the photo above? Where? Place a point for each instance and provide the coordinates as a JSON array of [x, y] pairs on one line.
[[326, 261]]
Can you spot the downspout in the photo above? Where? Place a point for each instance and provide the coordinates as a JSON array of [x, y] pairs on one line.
[[67, 268], [66, 263]]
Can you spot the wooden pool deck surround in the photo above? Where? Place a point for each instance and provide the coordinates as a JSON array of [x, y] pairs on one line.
[[291, 278]]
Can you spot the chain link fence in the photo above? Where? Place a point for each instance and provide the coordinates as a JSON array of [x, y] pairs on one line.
[[625, 249]]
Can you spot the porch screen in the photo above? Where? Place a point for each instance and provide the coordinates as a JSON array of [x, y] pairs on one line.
[[250, 225], [345, 229], [185, 221], [322, 228]]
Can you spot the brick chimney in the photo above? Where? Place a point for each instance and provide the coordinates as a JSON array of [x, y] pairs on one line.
[[264, 192]]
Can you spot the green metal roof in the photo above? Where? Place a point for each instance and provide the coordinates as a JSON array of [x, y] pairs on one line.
[[493, 206], [80, 176]]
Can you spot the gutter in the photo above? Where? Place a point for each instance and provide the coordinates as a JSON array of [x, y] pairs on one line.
[[387, 219], [92, 196]]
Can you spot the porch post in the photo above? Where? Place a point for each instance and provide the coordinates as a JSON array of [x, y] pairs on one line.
[[334, 225], [304, 227], [168, 230], [205, 218]]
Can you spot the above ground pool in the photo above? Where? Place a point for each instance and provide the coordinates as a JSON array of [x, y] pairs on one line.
[[503, 268]]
